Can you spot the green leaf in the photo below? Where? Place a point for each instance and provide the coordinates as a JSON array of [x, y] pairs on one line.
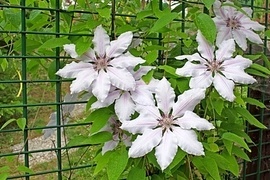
[[240, 153], [177, 159], [104, 12], [98, 138], [211, 167], [25, 169], [256, 72], [208, 3], [102, 161], [151, 57], [233, 164], [254, 102], [7, 123], [168, 69], [21, 122], [12, 16], [4, 176], [99, 118], [3, 63], [229, 145], [220, 160], [163, 21], [267, 33], [144, 14], [117, 164], [218, 104], [251, 119], [236, 139], [260, 68], [136, 173], [54, 42], [5, 169], [77, 140], [207, 26]]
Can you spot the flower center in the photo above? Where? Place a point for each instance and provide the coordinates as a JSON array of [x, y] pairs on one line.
[[116, 128], [214, 66], [101, 63], [166, 122], [233, 23]]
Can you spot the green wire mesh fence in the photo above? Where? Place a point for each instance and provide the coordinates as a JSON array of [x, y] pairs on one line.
[[32, 35]]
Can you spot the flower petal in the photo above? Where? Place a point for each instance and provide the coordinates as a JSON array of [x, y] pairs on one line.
[[124, 107], [112, 96], [145, 143], [238, 61], [126, 60], [223, 34], [190, 120], [143, 70], [83, 81], [166, 150], [240, 39], [88, 56], [224, 87], [193, 57], [73, 69], [205, 49], [238, 75], [108, 146], [71, 50], [121, 78], [225, 50], [101, 41], [187, 101], [253, 37], [119, 46], [165, 96], [187, 141], [247, 23], [202, 81], [101, 85], [140, 124], [190, 69], [143, 96]]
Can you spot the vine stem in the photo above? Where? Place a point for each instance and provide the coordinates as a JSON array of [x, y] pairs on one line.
[[189, 168]]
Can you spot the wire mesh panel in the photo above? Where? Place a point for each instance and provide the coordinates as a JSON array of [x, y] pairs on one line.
[[43, 123]]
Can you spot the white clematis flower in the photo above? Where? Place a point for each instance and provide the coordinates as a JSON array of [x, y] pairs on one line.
[[220, 69], [126, 101], [118, 135], [102, 67], [168, 126], [236, 25]]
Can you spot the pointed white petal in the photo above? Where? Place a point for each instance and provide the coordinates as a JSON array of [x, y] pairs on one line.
[[240, 39], [190, 120], [252, 36], [125, 61], [219, 10], [101, 85], [202, 81], [88, 56], [187, 101], [225, 50], [145, 142], [140, 124], [143, 70], [187, 141], [205, 49], [101, 41], [224, 87], [152, 111], [193, 57], [152, 85], [166, 150], [121, 78], [71, 50], [73, 69], [143, 96], [190, 69], [108, 146], [220, 23], [117, 47], [238, 75], [165, 96], [124, 107], [126, 140], [247, 23], [112, 96], [238, 61], [83, 81], [223, 34]]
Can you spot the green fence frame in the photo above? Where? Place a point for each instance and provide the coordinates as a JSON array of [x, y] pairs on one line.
[[262, 141]]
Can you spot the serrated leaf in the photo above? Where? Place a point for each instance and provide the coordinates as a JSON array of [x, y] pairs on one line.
[[21, 122], [117, 164], [249, 117], [54, 42], [207, 27], [236, 139], [136, 173], [254, 102], [25, 169], [163, 21]]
